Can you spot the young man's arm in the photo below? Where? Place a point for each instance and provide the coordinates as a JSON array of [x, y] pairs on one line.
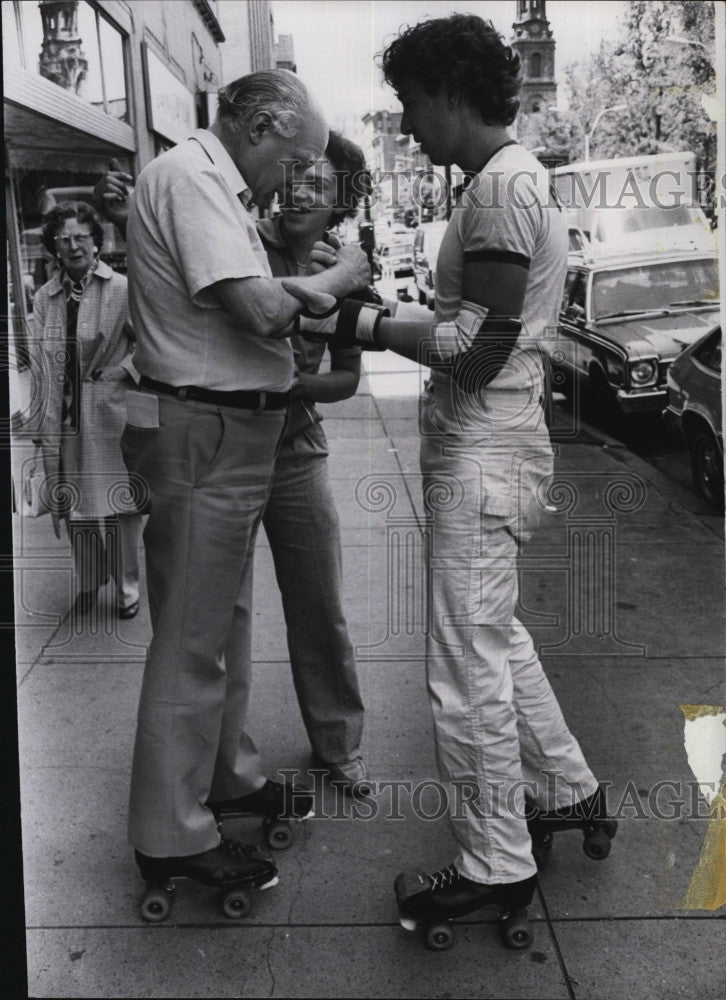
[[482, 334], [495, 287]]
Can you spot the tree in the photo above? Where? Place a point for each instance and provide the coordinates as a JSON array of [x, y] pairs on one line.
[[551, 136], [662, 83]]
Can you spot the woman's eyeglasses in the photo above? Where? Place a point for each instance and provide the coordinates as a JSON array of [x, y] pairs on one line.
[[64, 242]]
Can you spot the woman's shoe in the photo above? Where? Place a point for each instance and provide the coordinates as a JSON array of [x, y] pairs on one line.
[[130, 612], [85, 601]]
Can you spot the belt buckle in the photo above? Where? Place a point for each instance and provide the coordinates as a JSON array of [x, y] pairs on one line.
[[261, 404]]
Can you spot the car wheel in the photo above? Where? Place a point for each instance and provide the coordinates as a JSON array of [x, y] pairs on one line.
[[707, 468], [603, 396], [421, 298]]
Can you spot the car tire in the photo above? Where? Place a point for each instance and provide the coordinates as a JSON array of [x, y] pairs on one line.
[[421, 298], [604, 397], [707, 468]]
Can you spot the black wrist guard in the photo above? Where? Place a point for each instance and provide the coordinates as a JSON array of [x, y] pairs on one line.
[[358, 324]]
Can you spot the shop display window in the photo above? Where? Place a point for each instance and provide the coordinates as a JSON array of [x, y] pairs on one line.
[[71, 44]]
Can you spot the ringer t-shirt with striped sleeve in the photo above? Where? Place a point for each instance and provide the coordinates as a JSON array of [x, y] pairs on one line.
[[509, 213]]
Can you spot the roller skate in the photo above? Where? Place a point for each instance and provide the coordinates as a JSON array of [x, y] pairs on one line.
[[278, 804], [434, 901], [236, 869], [589, 815]]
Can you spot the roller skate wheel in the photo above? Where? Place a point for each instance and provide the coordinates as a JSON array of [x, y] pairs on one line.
[[596, 845], [279, 835], [408, 923], [517, 933], [439, 937], [236, 903], [155, 906]]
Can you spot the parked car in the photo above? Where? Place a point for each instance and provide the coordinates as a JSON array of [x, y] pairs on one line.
[[624, 319], [694, 410], [425, 251]]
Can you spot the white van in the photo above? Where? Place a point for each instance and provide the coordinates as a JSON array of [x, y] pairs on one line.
[[634, 204]]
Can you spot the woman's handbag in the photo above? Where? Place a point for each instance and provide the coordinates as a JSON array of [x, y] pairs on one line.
[[31, 499]]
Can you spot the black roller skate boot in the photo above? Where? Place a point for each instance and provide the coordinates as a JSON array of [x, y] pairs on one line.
[[236, 869], [434, 901], [589, 815], [277, 803]]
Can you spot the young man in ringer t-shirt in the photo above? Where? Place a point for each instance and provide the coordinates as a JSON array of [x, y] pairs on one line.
[[485, 459]]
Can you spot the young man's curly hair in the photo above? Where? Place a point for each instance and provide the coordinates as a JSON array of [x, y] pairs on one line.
[[464, 55]]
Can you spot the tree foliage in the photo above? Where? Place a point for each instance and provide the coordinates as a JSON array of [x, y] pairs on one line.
[[662, 83]]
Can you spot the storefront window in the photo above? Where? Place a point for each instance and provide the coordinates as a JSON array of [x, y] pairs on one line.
[[71, 44]]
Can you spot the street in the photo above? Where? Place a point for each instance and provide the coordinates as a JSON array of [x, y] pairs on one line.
[[618, 649]]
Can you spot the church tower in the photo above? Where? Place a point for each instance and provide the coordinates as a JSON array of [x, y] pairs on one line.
[[536, 47], [61, 58]]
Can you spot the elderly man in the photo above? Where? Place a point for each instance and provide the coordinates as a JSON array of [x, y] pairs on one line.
[[216, 369]]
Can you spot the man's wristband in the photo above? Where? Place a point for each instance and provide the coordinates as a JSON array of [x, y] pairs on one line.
[[358, 324]]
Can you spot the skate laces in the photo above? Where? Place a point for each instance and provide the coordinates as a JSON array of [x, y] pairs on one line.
[[443, 877]]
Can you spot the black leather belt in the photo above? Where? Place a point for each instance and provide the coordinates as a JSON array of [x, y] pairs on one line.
[[240, 400]]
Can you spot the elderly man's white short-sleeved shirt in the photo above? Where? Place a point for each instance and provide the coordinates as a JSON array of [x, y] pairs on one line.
[[188, 229]]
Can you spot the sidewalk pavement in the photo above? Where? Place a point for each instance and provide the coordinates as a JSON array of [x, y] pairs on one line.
[[330, 928]]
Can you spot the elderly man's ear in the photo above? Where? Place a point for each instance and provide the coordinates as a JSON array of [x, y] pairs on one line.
[[260, 123]]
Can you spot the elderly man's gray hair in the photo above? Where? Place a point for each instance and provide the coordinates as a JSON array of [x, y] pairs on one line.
[[278, 92]]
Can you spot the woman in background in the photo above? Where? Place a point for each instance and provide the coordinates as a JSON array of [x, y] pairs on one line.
[[81, 353]]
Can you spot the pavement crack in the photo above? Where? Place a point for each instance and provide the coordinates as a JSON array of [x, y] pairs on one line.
[[297, 879], [268, 960]]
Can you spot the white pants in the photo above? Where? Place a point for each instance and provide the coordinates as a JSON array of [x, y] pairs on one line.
[[498, 727]]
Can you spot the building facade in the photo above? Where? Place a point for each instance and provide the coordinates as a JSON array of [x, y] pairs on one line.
[[85, 82], [88, 81], [533, 40]]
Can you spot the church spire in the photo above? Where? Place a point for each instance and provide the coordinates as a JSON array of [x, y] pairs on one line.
[[535, 44]]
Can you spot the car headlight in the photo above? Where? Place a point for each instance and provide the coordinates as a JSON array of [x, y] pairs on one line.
[[643, 372]]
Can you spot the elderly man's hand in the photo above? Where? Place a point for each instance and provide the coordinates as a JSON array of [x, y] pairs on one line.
[[321, 258], [354, 268], [318, 292], [316, 301]]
